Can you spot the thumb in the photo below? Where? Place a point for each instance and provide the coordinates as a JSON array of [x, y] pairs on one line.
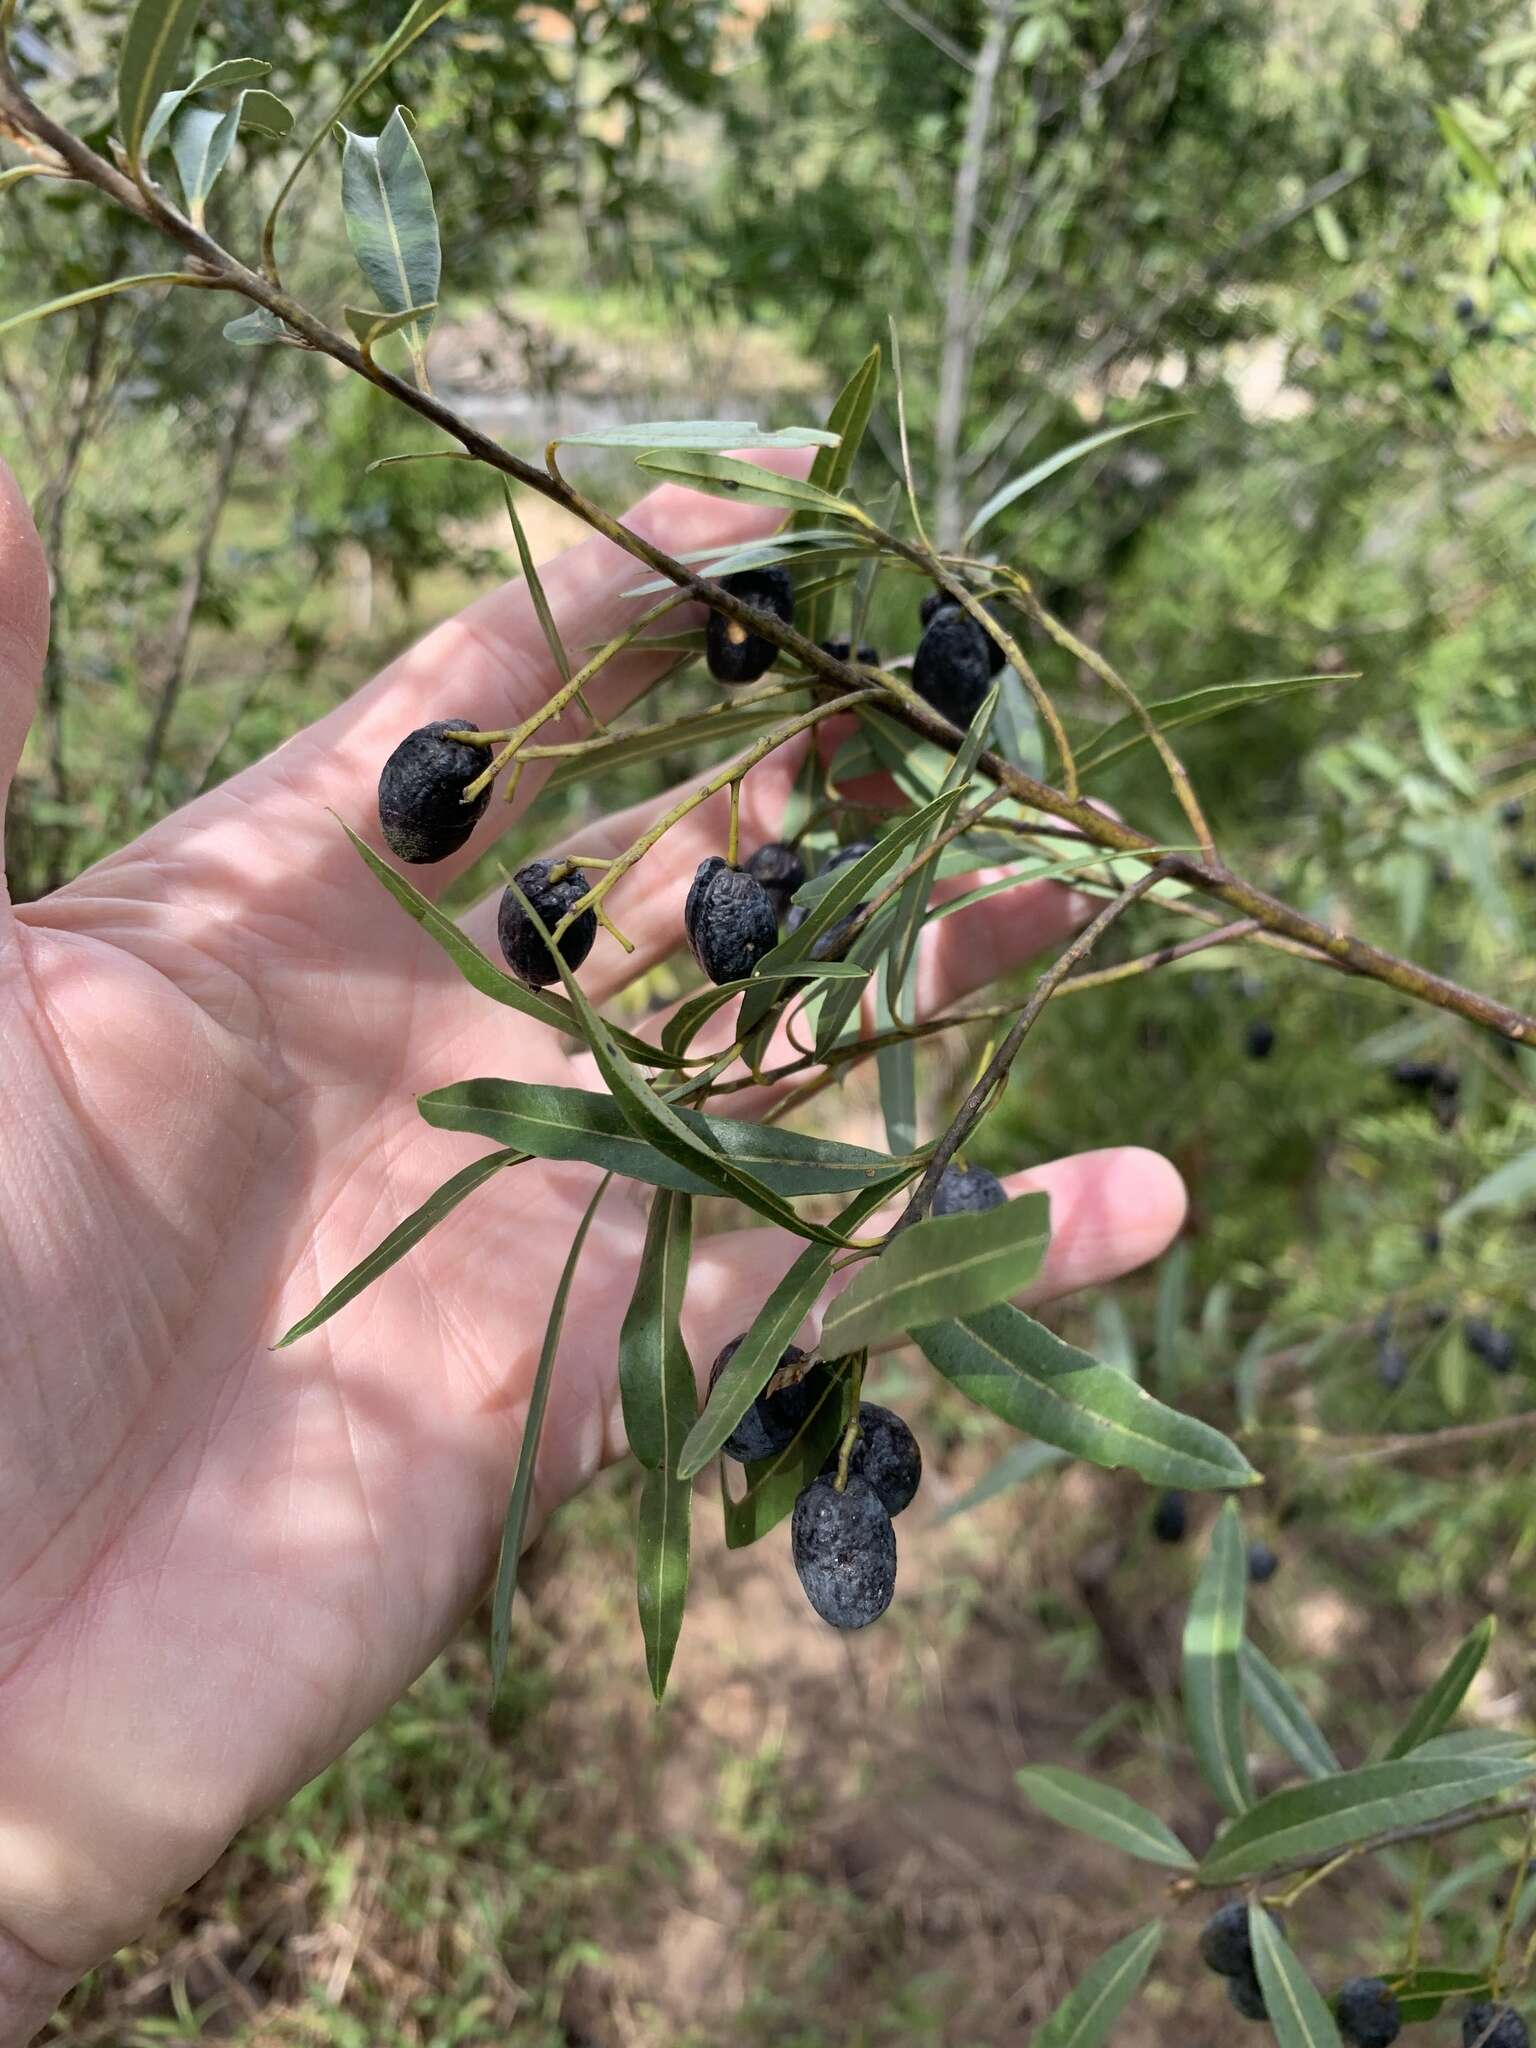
[[23, 622]]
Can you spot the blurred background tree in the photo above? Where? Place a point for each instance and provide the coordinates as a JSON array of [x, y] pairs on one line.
[[1307, 230]]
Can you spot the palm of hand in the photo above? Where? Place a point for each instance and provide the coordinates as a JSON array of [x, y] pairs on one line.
[[218, 1563]]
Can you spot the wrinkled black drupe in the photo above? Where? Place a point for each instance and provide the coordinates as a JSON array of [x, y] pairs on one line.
[[1225, 1946], [734, 653], [773, 1421], [1418, 1076], [1465, 308], [422, 812], [1246, 1996], [886, 1454], [1262, 1563], [964, 1190], [1496, 1348], [1493, 2026], [1170, 1519], [524, 951], [845, 1552], [1261, 1039], [954, 665], [935, 602], [840, 647], [1367, 2013], [1443, 383], [729, 919], [780, 870], [1392, 1367], [1511, 811]]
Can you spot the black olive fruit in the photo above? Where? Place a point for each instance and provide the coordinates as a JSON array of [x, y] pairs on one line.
[[1465, 308], [729, 919], [1247, 1997], [1511, 811], [1378, 332], [954, 665], [1496, 1348], [774, 1420], [840, 647], [1170, 1519], [1367, 301], [829, 946], [1260, 1041], [1493, 2026], [844, 1550], [1525, 868], [965, 1190], [1225, 1943], [1368, 2014], [886, 1454], [1392, 1367], [529, 956], [422, 812], [734, 652], [1443, 383], [780, 870], [1262, 1563]]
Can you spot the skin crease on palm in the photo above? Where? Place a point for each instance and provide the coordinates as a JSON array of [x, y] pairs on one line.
[[220, 1562]]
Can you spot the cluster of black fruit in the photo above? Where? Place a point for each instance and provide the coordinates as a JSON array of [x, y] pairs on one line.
[[1366, 2009], [841, 1538], [1170, 1523], [1381, 333]]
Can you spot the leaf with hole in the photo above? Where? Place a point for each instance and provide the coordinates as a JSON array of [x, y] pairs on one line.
[[944, 1266], [1106, 1814], [1005, 1361]]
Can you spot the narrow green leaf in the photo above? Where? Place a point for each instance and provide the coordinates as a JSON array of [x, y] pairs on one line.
[[1011, 492], [1212, 1682], [19, 173], [1296, 2009], [201, 140], [1473, 158], [584, 1124], [158, 31], [1106, 1814], [841, 1004], [773, 1329], [85, 296], [832, 467], [913, 902], [1436, 1709], [1086, 2016], [218, 78], [720, 476], [1314, 1822], [1283, 1714], [479, 972], [945, 1266], [386, 198], [521, 1498], [808, 546], [400, 1240], [719, 726], [254, 330], [660, 1399], [1421, 1995], [896, 1074], [773, 1485], [1192, 708], [1514, 1181], [535, 583], [370, 326], [1014, 1468], [1005, 1361], [699, 434]]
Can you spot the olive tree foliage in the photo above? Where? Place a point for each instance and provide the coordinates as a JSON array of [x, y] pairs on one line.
[[549, 119], [1008, 785]]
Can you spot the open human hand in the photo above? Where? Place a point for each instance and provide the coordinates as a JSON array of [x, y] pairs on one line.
[[220, 1562]]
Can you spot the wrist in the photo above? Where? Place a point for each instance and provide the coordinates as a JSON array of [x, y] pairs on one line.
[[30, 1990]]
